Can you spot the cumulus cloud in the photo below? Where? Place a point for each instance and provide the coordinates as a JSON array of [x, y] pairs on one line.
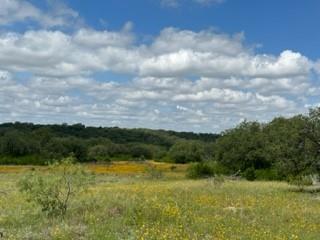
[[54, 53], [183, 80], [59, 14], [85, 51]]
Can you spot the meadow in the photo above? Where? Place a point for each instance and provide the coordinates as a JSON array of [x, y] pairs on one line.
[[125, 202]]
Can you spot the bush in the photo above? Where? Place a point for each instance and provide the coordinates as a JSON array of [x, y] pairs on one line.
[[300, 181], [219, 168], [187, 151], [54, 189], [140, 151], [24, 160], [269, 174], [200, 170], [99, 153], [16, 144], [58, 148], [250, 174]]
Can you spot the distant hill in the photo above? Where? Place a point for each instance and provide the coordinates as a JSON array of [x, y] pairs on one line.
[[35, 143], [115, 134]]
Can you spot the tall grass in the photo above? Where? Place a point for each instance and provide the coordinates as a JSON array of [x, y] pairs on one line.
[[129, 207]]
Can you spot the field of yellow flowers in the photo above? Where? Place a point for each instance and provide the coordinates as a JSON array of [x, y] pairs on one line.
[[126, 204]]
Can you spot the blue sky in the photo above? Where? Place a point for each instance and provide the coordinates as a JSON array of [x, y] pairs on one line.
[[191, 65], [276, 25]]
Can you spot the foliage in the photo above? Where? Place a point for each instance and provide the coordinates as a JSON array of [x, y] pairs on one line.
[[54, 189], [270, 174], [58, 148], [242, 147], [23, 160], [250, 174], [312, 134], [140, 151], [54, 142], [17, 144], [287, 146], [219, 168], [99, 153], [300, 181], [187, 151], [273, 151], [200, 170]]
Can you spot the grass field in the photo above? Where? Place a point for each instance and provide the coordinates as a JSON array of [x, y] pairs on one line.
[[124, 203]]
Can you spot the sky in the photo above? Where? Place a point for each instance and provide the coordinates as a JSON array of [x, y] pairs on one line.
[[185, 65]]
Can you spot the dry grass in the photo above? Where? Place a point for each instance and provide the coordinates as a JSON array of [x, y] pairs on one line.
[[115, 168], [132, 168], [14, 169]]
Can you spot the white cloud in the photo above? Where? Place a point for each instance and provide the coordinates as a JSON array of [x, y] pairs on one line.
[[173, 40], [54, 53], [12, 11], [184, 80], [215, 64]]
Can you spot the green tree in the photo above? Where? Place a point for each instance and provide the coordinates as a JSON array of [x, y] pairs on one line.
[[142, 151], [99, 153], [312, 135], [187, 151], [54, 189], [16, 144], [286, 145], [58, 148], [242, 147]]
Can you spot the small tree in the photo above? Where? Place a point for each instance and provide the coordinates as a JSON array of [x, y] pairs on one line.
[[54, 189], [250, 174], [99, 153], [200, 170], [187, 151]]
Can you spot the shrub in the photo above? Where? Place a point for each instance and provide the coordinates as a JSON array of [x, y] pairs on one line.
[[140, 151], [200, 170], [24, 160], [250, 174], [58, 148], [300, 181], [99, 153], [54, 189], [187, 151], [219, 168], [269, 174], [16, 144]]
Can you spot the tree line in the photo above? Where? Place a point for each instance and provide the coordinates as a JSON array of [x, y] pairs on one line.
[[280, 149], [27, 143]]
